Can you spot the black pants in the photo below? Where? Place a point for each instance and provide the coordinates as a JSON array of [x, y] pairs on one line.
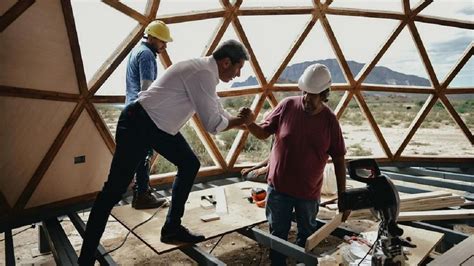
[[136, 133]]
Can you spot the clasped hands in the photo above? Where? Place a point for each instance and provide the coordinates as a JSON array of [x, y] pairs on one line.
[[246, 115]]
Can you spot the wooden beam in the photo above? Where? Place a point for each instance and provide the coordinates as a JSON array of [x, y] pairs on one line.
[[375, 129], [422, 5], [272, 99], [458, 66], [151, 9], [397, 89], [253, 59], [364, 13], [115, 59], [208, 142], [437, 215], [365, 71], [108, 99], [296, 45], [101, 127], [343, 103], [454, 114], [460, 254], [337, 50], [4, 205], [265, 11], [217, 36], [49, 157], [424, 55], [313, 240], [75, 47], [9, 91], [425, 109], [192, 16], [14, 12], [250, 90], [119, 6], [446, 22], [459, 91]]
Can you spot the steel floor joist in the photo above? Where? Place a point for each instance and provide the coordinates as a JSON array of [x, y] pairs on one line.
[[284, 247], [59, 243], [9, 248], [201, 256], [430, 181], [102, 256]]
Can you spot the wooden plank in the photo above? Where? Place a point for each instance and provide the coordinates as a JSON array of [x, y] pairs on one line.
[[323, 232], [424, 195], [364, 13], [343, 103], [461, 254], [37, 94], [279, 10], [364, 72], [424, 55], [375, 128], [446, 22], [396, 89], [241, 91], [208, 142], [217, 36], [241, 214], [101, 127], [420, 117], [296, 45], [458, 66], [127, 11], [75, 47], [192, 16], [455, 116], [435, 215], [151, 8], [14, 12], [221, 199], [424, 245]]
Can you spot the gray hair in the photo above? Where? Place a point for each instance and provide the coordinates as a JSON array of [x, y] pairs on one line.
[[232, 49]]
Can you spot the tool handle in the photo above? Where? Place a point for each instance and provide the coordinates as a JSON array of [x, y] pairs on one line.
[[364, 170]]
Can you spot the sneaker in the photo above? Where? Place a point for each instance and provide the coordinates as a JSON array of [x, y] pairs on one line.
[[179, 234], [146, 200]]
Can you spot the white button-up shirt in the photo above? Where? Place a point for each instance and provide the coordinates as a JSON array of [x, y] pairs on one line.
[[186, 88]]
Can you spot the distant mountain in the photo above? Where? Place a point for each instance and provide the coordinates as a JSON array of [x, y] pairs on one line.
[[379, 75]]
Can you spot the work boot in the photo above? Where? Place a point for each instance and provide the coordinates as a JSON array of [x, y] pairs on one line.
[[179, 234], [146, 200]]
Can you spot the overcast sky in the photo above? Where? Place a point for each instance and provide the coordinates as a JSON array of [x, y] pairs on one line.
[[101, 29]]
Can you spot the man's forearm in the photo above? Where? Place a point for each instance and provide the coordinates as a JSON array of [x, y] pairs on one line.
[[234, 122], [340, 171], [258, 131]]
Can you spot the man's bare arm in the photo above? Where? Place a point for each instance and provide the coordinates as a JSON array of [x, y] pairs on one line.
[[340, 170], [258, 131]]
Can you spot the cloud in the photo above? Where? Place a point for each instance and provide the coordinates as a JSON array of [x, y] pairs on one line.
[[468, 10], [449, 47]]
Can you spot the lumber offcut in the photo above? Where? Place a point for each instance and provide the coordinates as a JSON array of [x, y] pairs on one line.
[[436, 215], [461, 254], [323, 232]]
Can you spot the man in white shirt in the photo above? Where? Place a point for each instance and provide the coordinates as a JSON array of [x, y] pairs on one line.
[[154, 120]]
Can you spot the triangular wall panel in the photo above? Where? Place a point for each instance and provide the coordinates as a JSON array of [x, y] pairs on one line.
[[6, 5], [28, 129], [35, 52], [69, 179]]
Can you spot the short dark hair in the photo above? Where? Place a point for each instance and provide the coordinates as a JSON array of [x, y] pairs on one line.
[[232, 49]]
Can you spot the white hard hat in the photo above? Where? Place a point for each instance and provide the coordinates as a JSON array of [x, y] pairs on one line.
[[315, 79]]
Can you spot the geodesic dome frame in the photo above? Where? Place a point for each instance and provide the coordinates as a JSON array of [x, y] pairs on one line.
[[57, 148]]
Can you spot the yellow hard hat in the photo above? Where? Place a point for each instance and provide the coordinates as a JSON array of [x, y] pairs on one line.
[[158, 29]]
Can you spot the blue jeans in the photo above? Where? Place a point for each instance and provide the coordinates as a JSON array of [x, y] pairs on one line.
[[279, 211], [136, 132]]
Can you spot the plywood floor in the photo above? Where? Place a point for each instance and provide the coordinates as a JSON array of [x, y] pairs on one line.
[[240, 214]]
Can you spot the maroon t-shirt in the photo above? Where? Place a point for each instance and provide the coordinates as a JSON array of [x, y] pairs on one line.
[[301, 148]]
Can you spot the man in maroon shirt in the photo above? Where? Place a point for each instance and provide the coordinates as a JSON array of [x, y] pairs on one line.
[[306, 132]]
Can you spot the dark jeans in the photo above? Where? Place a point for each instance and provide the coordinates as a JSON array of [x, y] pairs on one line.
[[279, 211], [136, 132], [142, 176]]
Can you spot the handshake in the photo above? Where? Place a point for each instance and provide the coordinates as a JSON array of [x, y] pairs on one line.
[[246, 115]]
